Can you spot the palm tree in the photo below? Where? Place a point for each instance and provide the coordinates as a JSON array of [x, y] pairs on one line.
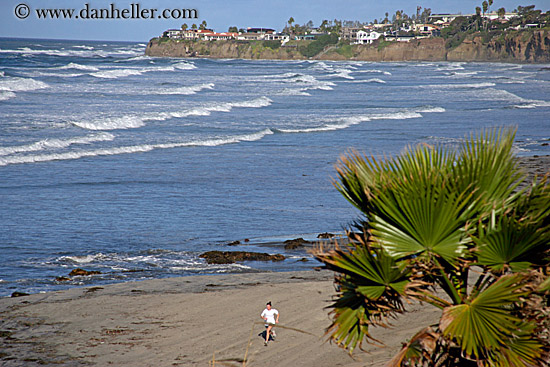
[[290, 22], [439, 222], [501, 12]]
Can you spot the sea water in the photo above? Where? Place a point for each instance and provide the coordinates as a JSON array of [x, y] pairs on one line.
[[133, 166]]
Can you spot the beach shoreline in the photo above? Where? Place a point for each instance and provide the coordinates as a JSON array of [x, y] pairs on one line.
[[194, 320]]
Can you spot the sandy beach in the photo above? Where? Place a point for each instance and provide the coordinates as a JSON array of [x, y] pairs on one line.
[[186, 322], [193, 321]]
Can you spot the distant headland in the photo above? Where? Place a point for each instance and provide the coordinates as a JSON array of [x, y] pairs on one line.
[[522, 35]]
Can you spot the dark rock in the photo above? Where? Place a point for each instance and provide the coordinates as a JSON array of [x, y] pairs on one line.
[[19, 294], [303, 259], [294, 244], [544, 144], [62, 279], [325, 235], [82, 272], [234, 243], [229, 257]]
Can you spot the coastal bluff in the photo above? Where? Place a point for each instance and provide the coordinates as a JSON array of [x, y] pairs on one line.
[[520, 47]]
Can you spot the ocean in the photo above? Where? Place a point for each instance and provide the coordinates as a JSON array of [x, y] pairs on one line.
[[133, 166]]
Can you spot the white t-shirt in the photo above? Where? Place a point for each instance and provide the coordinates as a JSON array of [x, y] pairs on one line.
[[270, 314]]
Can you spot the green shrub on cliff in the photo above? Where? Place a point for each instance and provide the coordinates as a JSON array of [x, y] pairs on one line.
[[315, 47], [346, 51], [272, 44]]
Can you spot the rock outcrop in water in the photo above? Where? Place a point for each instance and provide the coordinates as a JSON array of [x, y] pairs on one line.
[[532, 46], [229, 257]]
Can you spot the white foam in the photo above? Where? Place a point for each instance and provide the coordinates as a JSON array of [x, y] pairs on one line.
[[373, 71], [5, 95], [184, 66], [16, 84], [458, 86], [55, 143], [519, 102], [77, 52], [346, 122], [84, 47], [113, 123], [429, 109], [194, 89], [86, 259], [120, 73], [76, 66], [132, 149], [136, 121], [372, 80], [294, 92], [306, 82], [451, 67], [117, 73]]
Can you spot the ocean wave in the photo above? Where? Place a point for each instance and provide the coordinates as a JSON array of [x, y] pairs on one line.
[[371, 80], [457, 86], [184, 66], [451, 67], [430, 109], [209, 142], [515, 100], [75, 53], [306, 82], [76, 66], [120, 73], [17, 84], [5, 95], [194, 89], [373, 71], [293, 92], [55, 143], [346, 122], [136, 121], [113, 123], [84, 47]]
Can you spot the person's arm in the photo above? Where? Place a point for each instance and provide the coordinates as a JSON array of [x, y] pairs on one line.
[[277, 319], [263, 317]]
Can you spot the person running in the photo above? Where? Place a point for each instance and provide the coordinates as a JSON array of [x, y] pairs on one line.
[[268, 315]]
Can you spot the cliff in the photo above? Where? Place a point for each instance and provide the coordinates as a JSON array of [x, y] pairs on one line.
[[526, 47]]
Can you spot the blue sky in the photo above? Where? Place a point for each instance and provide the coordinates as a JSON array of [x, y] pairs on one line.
[[219, 14]]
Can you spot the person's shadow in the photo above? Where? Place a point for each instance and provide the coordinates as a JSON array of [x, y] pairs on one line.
[[262, 335]]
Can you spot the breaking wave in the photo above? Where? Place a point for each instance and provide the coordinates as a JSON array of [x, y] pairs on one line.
[[194, 89], [16, 84], [136, 121], [55, 144], [76, 66], [345, 122], [133, 149]]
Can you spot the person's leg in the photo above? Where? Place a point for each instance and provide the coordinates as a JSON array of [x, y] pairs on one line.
[[267, 333]]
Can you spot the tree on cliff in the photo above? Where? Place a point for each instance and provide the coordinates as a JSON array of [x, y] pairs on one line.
[[290, 22], [203, 25], [452, 230], [193, 26], [184, 27], [233, 29]]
